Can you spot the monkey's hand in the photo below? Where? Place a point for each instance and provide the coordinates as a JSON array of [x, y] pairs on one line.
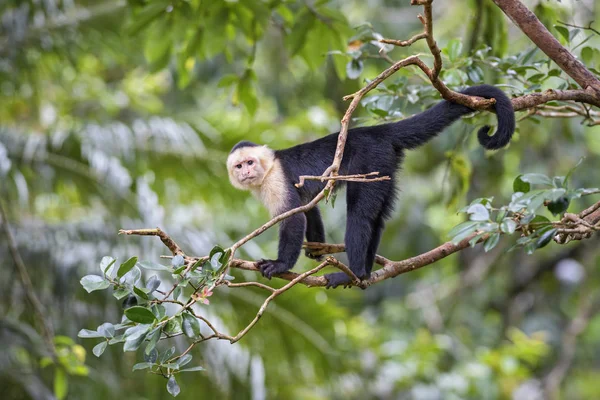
[[272, 267], [337, 279], [317, 257]]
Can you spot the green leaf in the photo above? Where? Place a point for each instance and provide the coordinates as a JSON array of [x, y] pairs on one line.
[[167, 354], [151, 355], [157, 49], [107, 330], [61, 384], [559, 206], [508, 226], [146, 15], [190, 326], [536, 179], [152, 284], [126, 266], [566, 180], [184, 360], [133, 342], [140, 314], [246, 93], [192, 369], [545, 238], [587, 55], [140, 366], [521, 186], [564, 32], [94, 282], [129, 302], [87, 334], [454, 49], [173, 326], [478, 212], [177, 292], [121, 293], [173, 387], [153, 266], [143, 293], [296, 38], [99, 348], [464, 226], [106, 263], [491, 242], [228, 80], [177, 261]]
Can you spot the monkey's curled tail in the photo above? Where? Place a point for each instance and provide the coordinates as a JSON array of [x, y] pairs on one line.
[[415, 131]]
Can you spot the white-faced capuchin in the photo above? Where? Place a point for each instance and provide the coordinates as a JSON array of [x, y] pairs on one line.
[[271, 175]]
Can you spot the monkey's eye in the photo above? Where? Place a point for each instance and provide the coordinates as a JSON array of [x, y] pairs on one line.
[[250, 162], [239, 166]]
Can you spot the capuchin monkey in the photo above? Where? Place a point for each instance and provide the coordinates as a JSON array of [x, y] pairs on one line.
[[271, 175]]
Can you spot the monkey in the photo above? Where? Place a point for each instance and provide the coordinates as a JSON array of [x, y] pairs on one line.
[[271, 176]]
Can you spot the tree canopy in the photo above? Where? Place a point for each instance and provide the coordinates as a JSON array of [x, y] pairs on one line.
[[120, 114]]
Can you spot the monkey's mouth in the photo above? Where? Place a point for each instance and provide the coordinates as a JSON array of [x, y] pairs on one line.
[[248, 178]]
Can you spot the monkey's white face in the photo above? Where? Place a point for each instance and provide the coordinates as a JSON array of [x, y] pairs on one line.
[[248, 166]]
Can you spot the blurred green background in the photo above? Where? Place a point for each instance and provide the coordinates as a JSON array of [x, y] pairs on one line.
[[120, 114]]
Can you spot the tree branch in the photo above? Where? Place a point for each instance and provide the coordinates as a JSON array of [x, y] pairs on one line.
[[531, 26]]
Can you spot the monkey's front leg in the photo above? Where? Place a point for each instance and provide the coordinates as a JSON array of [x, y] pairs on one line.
[[291, 234]]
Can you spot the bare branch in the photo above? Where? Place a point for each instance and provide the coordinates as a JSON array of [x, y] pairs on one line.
[[38, 307], [370, 177]]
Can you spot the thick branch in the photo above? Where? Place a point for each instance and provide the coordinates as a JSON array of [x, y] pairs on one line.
[[537, 32]]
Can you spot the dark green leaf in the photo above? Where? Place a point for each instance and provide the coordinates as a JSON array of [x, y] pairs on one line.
[[190, 326], [564, 32], [141, 292], [545, 238], [94, 282], [140, 314], [152, 354], [520, 185], [559, 206], [491, 242], [173, 387], [126, 266], [129, 302]]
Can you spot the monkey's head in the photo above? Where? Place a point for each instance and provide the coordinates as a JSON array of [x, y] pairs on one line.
[[248, 164]]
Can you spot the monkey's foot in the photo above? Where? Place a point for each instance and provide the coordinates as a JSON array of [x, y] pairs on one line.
[[337, 279], [271, 267], [308, 254]]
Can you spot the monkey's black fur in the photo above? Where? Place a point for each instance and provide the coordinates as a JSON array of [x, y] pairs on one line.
[[372, 148]]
